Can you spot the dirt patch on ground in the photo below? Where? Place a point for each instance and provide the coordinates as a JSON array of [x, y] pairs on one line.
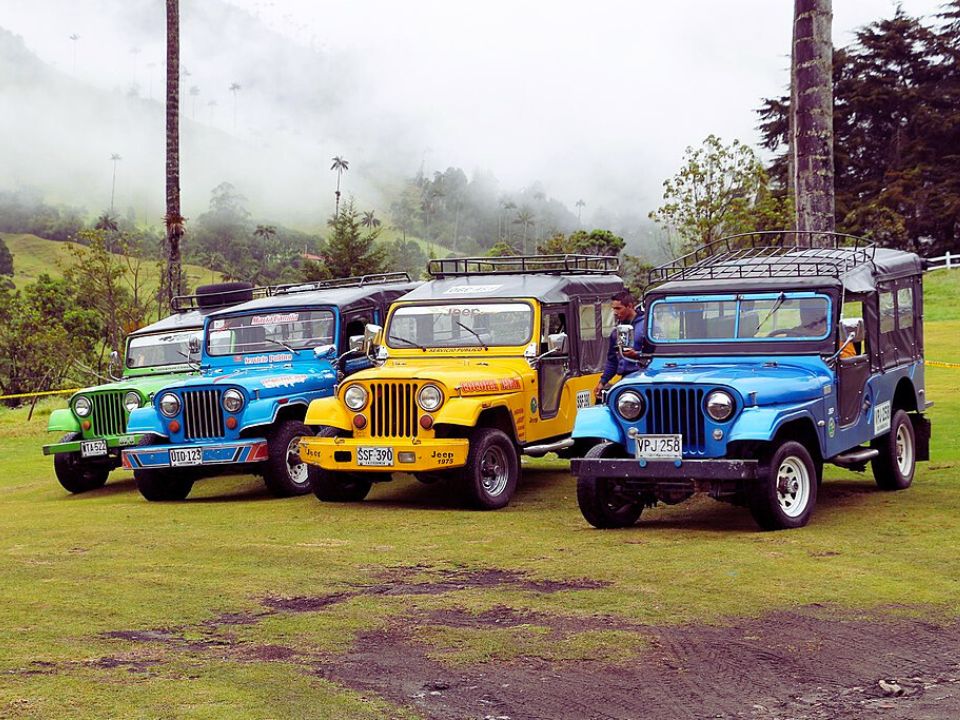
[[787, 665]]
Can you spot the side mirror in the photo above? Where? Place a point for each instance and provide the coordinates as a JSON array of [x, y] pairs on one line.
[[852, 326], [625, 336], [355, 343], [324, 352], [371, 339], [557, 343], [115, 368], [193, 345]]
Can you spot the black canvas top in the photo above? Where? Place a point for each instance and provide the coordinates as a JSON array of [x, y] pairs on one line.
[[546, 288], [347, 298]]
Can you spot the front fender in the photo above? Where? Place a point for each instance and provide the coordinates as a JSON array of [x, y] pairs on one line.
[[146, 420], [328, 411], [465, 411], [63, 420], [597, 422], [763, 423], [264, 412]]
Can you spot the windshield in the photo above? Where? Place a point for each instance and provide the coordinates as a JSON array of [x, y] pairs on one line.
[[271, 331], [459, 325], [749, 317], [169, 348]]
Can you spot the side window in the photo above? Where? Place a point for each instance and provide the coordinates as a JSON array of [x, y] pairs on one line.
[[887, 312], [905, 308], [607, 319], [589, 330], [593, 341], [553, 322]]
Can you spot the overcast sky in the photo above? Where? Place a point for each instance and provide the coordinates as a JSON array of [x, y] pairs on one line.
[[597, 100]]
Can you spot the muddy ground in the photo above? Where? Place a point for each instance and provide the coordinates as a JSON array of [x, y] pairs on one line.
[[813, 663]]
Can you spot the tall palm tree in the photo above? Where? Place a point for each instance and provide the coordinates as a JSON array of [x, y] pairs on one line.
[[235, 89], [74, 37], [115, 157], [526, 220], [340, 166], [812, 117], [580, 205], [194, 93], [369, 220], [173, 220]]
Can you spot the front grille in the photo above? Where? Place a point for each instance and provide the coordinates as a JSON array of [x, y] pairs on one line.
[[393, 410], [109, 414], [677, 411], [202, 417]]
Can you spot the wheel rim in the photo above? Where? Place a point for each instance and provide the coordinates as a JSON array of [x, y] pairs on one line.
[[904, 451], [793, 486], [296, 468], [494, 473]]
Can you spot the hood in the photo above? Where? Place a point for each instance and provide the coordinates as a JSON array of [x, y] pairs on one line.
[[474, 376], [265, 381], [772, 383], [146, 385]]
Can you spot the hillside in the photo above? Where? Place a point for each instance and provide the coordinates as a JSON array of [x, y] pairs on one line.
[[34, 255]]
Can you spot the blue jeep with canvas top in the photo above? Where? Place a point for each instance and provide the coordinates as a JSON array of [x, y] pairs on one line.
[[261, 364], [767, 359]]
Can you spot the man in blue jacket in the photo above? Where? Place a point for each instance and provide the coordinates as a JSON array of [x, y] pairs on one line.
[[627, 312]]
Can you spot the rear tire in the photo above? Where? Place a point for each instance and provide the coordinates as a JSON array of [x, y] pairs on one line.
[[75, 475], [332, 486], [492, 469], [284, 473], [164, 484], [894, 467], [786, 489], [599, 502]]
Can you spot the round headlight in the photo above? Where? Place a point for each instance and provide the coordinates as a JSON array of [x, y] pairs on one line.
[[430, 397], [355, 397], [232, 400], [82, 406], [629, 405], [131, 401], [719, 405], [169, 404]]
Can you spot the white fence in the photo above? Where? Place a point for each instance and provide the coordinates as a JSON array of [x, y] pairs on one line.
[[944, 262]]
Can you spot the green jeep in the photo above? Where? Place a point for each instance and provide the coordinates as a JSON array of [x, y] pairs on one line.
[[95, 423]]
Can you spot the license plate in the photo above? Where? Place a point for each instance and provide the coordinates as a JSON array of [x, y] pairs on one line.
[[375, 456], [93, 448], [186, 456], [659, 447]]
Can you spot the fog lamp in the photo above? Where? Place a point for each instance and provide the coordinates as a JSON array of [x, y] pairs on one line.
[[407, 457]]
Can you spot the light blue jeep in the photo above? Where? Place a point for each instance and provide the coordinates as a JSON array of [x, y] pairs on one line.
[[766, 359], [261, 363]]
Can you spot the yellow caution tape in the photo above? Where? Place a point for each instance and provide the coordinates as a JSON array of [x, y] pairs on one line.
[[935, 363], [37, 394]]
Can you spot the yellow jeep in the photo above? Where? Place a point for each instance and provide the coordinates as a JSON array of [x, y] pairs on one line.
[[490, 359]]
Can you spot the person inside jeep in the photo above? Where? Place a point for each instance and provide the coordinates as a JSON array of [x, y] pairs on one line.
[[627, 312]]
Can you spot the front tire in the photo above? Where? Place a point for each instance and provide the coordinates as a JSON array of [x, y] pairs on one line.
[[285, 473], [331, 486], [75, 475], [598, 499], [492, 469], [894, 467], [786, 490], [164, 484]]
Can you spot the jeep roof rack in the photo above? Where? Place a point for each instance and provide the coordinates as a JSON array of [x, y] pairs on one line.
[[524, 265], [186, 303], [355, 281], [768, 254]]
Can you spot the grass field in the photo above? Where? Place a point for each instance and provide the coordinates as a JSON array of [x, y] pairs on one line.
[[34, 255], [233, 604]]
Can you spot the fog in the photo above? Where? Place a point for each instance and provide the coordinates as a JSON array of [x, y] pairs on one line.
[[594, 101]]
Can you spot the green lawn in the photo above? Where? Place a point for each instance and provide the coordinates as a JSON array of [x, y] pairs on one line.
[[34, 255], [114, 607]]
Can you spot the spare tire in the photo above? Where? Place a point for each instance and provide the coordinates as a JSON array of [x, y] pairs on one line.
[[223, 294]]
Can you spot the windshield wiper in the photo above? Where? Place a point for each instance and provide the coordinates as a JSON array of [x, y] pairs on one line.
[[474, 333], [411, 343], [283, 345], [776, 306]]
